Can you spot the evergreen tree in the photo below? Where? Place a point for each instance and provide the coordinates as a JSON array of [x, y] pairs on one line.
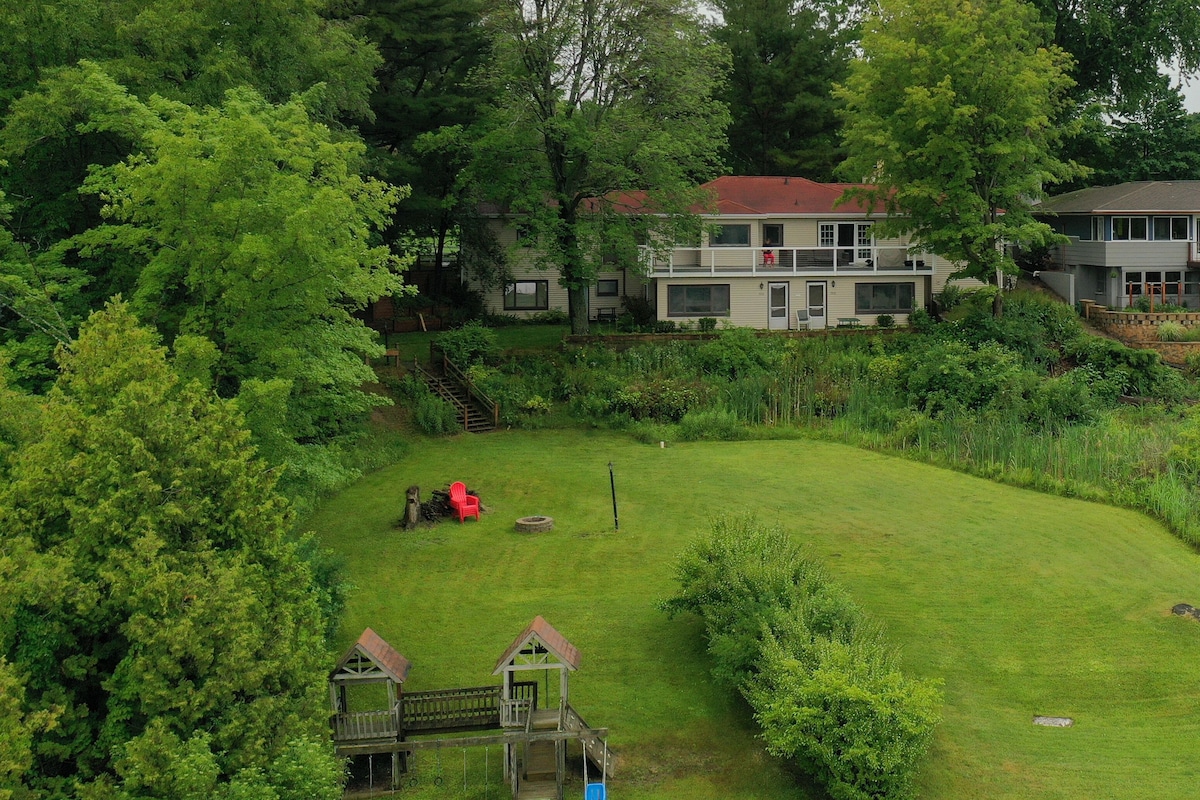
[[597, 99], [163, 635], [428, 95], [787, 56]]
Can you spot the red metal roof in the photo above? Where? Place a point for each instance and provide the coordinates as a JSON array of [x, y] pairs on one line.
[[386, 657], [776, 195], [745, 195], [545, 633]]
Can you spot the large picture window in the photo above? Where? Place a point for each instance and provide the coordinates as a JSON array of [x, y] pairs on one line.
[[884, 298], [527, 296], [731, 236], [711, 300], [1171, 228], [607, 287], [1129, 229]]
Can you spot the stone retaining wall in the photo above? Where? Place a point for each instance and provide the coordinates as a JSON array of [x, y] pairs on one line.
[[1136, 326], [1174, 353], [1140, 329]]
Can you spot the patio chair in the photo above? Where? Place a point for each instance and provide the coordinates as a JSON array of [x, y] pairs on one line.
[[466, 505]]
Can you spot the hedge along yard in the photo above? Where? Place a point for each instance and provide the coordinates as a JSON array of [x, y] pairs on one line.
[[1022, 604]]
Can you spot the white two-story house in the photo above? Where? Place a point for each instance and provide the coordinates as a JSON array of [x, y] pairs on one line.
[[1129, 240], [775, 253]]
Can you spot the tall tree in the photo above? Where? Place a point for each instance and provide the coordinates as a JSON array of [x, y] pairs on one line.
[[150, 605], [249, 225], [1120, 46], [597, 98], [1153, 138], [426, 97], [787, 56], [949, 116]]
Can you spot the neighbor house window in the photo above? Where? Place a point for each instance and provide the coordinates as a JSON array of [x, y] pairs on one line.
[[731, 236], [527, 296], [1133, 283], [772, 235], [525, 234], [1171, 228], [1097, 229], [705, 300], [1129, 229], [607, 288], [884, 298]]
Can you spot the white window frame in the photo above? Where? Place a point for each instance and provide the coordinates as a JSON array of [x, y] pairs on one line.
[[1171, 221], [1129, 223], [864, 237]]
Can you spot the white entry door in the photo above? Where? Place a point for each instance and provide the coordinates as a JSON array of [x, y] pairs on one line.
[[816, 305], [777, 306]]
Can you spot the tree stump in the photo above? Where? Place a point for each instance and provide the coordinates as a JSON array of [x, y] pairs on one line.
[[412, 507]]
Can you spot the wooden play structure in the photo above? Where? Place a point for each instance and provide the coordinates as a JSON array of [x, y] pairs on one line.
[[534, 729]]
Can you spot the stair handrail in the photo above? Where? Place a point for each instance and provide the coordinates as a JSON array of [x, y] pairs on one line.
[[454, 401]]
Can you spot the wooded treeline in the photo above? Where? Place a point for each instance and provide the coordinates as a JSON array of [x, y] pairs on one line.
[[245, 177]]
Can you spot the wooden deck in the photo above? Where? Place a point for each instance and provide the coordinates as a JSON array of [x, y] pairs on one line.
[[475, 708], [451, 710]]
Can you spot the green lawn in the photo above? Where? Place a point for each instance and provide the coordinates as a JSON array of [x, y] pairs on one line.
[[1021, 603]]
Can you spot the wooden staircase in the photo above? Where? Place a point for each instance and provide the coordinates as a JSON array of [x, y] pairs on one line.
[[457, 395], [540, 781], [478, 412]]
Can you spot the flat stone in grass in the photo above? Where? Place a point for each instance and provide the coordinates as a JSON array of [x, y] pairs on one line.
[[1054, 722], [1185, 610]]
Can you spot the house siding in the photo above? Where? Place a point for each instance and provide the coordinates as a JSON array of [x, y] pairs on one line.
[[523, 267], [748, 303]]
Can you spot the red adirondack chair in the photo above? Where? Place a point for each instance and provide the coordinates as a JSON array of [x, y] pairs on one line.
[[465, 504]]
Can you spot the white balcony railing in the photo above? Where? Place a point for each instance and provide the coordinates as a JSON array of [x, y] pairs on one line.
[[776, 261]]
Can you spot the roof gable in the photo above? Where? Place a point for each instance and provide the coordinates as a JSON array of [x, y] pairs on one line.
[[540, 637], [372, 651]]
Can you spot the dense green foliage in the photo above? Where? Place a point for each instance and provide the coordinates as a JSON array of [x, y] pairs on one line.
[[786, 57], [1118, 46], [822, 682], [951, 115], [243, 232], [150, 605], [427, 98]]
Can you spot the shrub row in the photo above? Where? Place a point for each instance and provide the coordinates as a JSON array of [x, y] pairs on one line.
[[823, 684]]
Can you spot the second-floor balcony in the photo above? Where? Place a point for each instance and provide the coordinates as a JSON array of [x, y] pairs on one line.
[[777, 261]]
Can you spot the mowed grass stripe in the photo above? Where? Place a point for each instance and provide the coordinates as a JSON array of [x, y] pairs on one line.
[[1022, 603]]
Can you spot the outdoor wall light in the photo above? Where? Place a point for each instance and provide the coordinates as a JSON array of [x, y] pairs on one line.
[[760, 286], [833, 284]]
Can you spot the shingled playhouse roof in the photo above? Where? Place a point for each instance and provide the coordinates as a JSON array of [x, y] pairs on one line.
[[553, 641], [382, 654]]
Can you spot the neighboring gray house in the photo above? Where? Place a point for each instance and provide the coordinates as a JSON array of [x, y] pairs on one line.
[[1128, 240]]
